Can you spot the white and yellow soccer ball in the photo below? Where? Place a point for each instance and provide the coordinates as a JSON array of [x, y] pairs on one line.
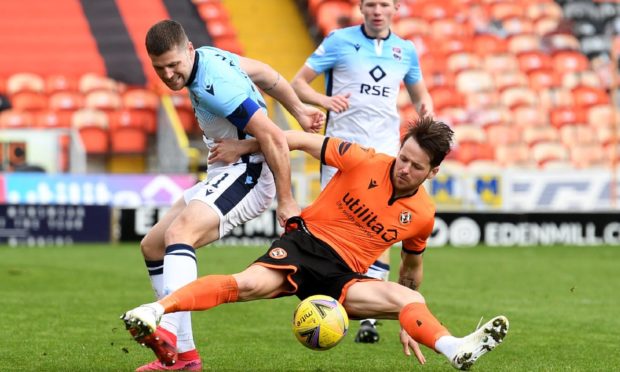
[[320, 322]]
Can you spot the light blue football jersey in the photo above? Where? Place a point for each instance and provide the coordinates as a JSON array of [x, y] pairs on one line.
[[223, 96], [371, 70]]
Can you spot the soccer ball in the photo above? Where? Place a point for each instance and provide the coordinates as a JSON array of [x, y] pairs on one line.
[[320, 322]]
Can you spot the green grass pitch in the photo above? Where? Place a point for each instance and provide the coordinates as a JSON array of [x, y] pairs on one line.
[[59, 309]]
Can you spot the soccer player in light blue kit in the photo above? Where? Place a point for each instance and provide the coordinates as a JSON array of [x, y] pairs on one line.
[[223, 88], [364, 66]]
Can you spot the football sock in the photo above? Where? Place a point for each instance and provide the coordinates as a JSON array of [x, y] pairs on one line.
[[156, 275], [202, 294], [421, 325], [448, 345], [179, 270]]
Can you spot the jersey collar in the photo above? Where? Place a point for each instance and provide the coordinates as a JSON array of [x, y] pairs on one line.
[[192, 76], [373, 38]]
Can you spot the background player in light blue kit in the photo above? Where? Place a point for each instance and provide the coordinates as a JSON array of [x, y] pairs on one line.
[[223, 88], [364, 66]]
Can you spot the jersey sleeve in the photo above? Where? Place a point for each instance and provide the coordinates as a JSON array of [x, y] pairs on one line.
[[414, 74], [417, 243], [342, 154], [326, 55], [227, 95]]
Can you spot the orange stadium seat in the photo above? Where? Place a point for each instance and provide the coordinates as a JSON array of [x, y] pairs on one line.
[[560, 116], [330, 13], [469, 81], [539, 9], [516, 25], [543, 78], [588, 78], [60, 83], [218, 28], [455, 44], [90, 82], [500, 63], [523, 43], [588, 156], [546, 151], [469, 133], [526, 116], [15, 119], [444, 28], [92, 125], [503, 134], [489, 44], [128, 134], [513, 155], [144, 103], [534, 60], [105, 100], [603, 116], [561, 41], [212, 10], [501, 10], [24, 81], [66, 100], [463, 61], [410, 27], [518, 96], [577, 134], [532, 135], [555, 97], [481, 100], [568, 60], [29, 101], [545, 25], [586, 96], [437, 10], [53, 119]]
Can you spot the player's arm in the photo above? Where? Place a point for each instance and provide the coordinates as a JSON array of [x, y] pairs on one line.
[[420, 98], [301, 85], [229, 150], [272, 142], [411, 270], [272, 83]]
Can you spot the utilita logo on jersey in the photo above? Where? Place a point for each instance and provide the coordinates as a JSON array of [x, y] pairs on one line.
[[366, 219]]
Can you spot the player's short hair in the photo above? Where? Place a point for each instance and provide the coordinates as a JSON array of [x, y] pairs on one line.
[[164, 36], [434, 137]]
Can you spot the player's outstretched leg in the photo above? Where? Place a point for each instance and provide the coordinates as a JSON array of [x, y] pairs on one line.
[[480, 342], [141, 323]]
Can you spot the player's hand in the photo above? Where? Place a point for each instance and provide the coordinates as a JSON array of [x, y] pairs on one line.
[[410, 344], [311, 119], [287, 209], [225, 150], [339, 103]]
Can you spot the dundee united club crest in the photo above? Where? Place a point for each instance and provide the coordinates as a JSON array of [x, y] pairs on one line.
[[405, 217], [277, 253]]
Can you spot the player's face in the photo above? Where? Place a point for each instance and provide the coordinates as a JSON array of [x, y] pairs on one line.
[[412, 168], [378, 16], [174, 66]]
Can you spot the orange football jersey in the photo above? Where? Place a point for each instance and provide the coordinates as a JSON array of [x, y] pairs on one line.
[[356, 213]]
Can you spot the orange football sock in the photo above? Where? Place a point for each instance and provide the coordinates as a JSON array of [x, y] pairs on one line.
[[421, 325], [202, 294]]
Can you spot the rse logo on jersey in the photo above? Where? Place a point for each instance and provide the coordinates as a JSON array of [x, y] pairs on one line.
[[377, 74], [343, 147], [365, 217]]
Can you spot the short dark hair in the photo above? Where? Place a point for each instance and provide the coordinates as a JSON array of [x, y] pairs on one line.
[[164, 36], [434, 137]]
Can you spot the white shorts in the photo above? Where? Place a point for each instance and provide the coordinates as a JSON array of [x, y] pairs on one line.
[[237, 193], [327, 173]]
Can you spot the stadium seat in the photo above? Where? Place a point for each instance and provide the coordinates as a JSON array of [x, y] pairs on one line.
[[561, 41], [518, 96], [92, 126], [577, 134], [523, 43], [481, 101], [60, 83], [453, 115], [29, 101], [445, 28], [526, 116], [144, 103], [15, 119], [106, 100], [546, 25], [433, 10], [509, 79], [66, 100], [534, 60], [90, 82], [516, 25], [513, 155], [602, 116], [24, 82], [127, 134], [489, 44], [469, 133], [212, 10], [539, 9], [444, 96], [506, 9], [580, 10], [560, 116], [470, 151], [53, 119], [535, 134], [555, 97], [568, 60], [503, 134], [500, 63], [330, 15], [219, 28], [586, 96], [229, 43], [488, 114], [463, 61], [543, 78], [545, 151], [410, 27], [454, 44], [469, 81], [588, 156]]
